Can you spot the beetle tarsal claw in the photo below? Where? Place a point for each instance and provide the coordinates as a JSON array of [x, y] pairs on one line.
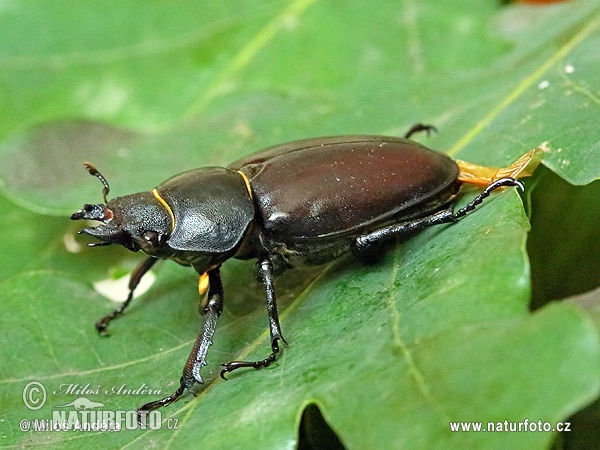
[[223, 372]]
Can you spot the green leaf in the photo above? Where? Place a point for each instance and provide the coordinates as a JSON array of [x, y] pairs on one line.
[[438, 331], [420, 340], [264, 83]]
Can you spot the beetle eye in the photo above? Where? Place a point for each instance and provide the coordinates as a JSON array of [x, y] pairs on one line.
[[151, 237]]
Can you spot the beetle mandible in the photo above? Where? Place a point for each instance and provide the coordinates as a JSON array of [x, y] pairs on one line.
[[303, 203]]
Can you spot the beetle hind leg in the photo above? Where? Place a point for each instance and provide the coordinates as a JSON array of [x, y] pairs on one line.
[[417, 128], [366, 242], [265, 271], [502, 182]]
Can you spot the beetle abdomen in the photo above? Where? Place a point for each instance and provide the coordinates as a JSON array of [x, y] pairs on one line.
[[333, 186]]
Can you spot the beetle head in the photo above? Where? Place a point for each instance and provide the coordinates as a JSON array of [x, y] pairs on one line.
[[137, 221]]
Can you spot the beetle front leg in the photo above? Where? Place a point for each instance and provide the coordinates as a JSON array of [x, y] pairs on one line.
[[197, 358], [265, 269], [365, 242], [134, 280], [417, 128]]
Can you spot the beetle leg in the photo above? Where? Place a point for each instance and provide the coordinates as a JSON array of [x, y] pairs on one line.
[[417, 128], [365, 242], [203, 284], [502, 182], [265, 272], [134, 280], [197, 358]]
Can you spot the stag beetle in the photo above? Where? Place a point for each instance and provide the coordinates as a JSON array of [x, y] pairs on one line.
[[302, 203]]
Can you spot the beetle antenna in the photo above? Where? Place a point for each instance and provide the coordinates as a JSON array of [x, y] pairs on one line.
[[93, 171]]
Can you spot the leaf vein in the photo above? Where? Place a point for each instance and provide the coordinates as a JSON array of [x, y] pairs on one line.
[[246, 54], [415, 373], [525, 84]]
